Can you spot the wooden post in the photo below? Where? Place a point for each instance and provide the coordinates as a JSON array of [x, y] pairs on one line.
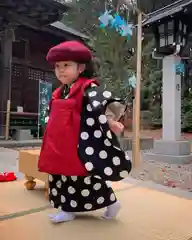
[[7, 76], [7, 119], [136, 106], [136, 102]]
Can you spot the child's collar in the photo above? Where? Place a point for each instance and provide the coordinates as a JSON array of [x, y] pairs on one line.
[[76, 85]]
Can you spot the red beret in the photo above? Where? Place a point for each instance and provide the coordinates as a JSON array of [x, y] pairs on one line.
[[69, 51]]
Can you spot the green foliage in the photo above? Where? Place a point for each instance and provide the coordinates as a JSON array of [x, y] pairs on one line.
[[116, 62], [112, 50], [152, 83], [186, 108]]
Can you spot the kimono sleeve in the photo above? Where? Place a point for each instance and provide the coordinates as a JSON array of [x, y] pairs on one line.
[[117, 164], [103, 99]]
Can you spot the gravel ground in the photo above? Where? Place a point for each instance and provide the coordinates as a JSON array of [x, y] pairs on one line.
[[171, 175]]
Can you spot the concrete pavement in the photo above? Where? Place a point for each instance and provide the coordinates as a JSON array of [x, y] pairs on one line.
[[9, 161], [148, 213]]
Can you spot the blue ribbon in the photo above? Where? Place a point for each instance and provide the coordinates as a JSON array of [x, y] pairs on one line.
[[123, 28], [180, 68]]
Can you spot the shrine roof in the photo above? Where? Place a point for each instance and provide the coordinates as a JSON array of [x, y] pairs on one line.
[[40, 15], [166, 11], [60, 26], [60, 3], [36, 12]]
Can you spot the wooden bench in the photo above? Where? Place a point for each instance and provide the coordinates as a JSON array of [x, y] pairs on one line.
[[28, 160]]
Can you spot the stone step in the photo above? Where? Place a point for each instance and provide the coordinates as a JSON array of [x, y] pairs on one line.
[[20, 144]]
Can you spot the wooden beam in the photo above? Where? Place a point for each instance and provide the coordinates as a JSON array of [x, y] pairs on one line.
[[41, 8], [33, 14], [15, 18], [8, 2], [29, 64], [21, 9]]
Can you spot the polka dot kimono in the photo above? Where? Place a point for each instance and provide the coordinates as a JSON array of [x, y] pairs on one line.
[[100, 152]]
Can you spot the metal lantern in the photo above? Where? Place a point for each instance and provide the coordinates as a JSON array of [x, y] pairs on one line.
[[171, 35], [171, 26]]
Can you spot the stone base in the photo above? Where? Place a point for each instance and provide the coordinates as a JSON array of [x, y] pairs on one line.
[[173, 152], [145, 143], [23, 134]]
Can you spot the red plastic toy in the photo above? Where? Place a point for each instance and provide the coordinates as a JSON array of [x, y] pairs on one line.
[[7, 177]]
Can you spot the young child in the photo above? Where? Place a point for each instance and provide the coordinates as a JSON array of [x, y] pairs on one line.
[[80, 150]]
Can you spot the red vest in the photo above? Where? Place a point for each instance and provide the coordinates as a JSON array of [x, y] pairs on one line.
[[59, 151]]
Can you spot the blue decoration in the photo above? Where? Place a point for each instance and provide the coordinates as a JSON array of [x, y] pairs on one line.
[[126, 30], [131, 82], [105, 19], [117, 22], [180, 68], [120, 25]]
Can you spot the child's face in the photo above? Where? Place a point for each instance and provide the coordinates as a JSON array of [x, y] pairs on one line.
[[68, 71]]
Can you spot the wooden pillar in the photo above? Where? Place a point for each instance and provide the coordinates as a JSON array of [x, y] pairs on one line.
[[5, 81], [136, 106]]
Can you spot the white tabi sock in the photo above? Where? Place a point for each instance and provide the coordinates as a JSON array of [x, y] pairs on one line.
[[112, 211], [61, 216]]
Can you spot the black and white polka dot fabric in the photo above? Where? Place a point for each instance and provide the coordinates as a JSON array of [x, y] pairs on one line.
[[99, 150], [79, 194]]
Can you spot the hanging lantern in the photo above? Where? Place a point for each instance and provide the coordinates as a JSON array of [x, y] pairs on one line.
[[171, 34], [170, 31]]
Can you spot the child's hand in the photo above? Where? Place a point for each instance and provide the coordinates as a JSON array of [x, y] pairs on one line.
[[115, 126]]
